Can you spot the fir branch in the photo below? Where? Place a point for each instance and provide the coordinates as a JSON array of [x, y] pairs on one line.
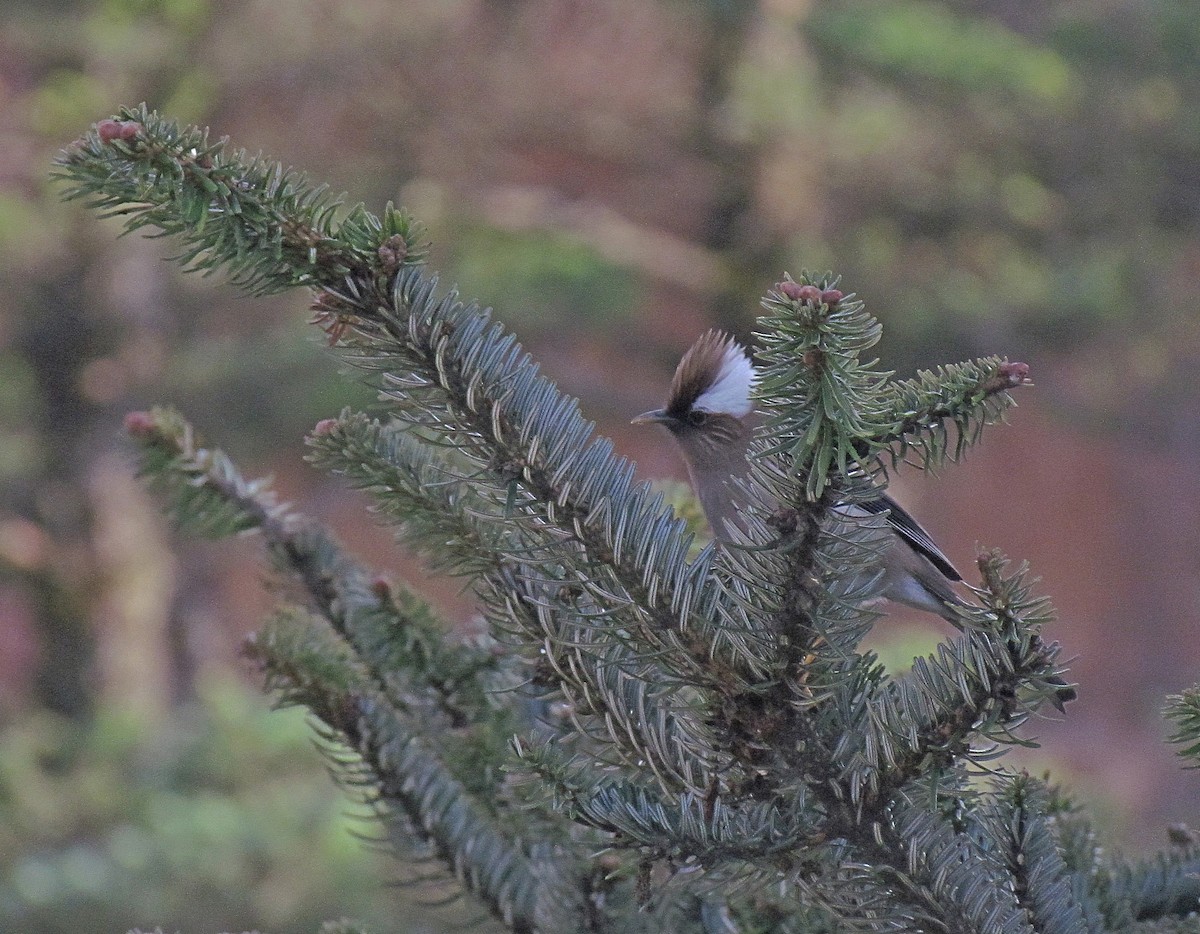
[[604, 677], [304, 663], [705, 830], [820, 400], [1163, 887], [394, 634], [1091, 874], [815, 574], [934, 715], [407, 783], [961, 892], [489, 401], [528, 893], [444, 364], [460, 522], [611, 692], [965, 397], [201, 489], [269, 226], [1183, 711], [829, 419], [1017, 824]]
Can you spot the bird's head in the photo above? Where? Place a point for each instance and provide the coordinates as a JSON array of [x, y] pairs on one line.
[[709, 413], [710, 396]]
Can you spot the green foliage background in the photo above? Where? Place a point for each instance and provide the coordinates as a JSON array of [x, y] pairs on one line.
[[218, 813]]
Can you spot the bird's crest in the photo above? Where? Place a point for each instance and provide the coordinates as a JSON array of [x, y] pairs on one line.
[[715, 375]]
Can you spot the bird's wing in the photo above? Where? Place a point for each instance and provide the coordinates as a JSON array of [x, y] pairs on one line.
[[916, 537]]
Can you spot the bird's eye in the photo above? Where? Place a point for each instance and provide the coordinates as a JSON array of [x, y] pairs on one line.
[[697, 417]]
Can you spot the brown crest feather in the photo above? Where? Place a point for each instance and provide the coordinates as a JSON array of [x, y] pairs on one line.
[[697, 371]]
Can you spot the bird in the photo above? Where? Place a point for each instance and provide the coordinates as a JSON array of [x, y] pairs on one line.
[[710, 415]]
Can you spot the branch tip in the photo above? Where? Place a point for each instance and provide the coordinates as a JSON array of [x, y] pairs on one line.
[[1008, 376], [789, 289], [110, 130], [140, 425]]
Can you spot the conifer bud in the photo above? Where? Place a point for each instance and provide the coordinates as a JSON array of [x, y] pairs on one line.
[[380, 585], [809, 294], [324, 427], [831, 297], [1015, 373], [789, 289], [140, 425], [1008, 376], [392, 252], [109, 130]]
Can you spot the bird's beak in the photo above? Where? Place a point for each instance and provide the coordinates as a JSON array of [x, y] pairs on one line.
[[657, 417]]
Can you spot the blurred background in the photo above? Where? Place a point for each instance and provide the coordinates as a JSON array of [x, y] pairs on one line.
[[613, 176]]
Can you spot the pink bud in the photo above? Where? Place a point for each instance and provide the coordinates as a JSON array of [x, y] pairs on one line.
[[381, 588], [109, 130], [809, 294], [324, 427], [1014, 373], [392, 251], [140, 425], [1008, 376], [831, 296], [788, 289]]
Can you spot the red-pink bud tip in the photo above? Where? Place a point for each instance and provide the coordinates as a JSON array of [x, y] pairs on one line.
[[788, 289], [324, 427], [1015, 374], [109, 130], [140, 424], [809, 294], [381, 588], [831, 296]]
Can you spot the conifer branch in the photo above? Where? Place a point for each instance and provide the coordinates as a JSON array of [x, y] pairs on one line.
[[394, 633], [821, 402], [1161, 888], [712, 717], [1018, 818], [269, 226], [934, 715], [830, 418], [407, 783], [1183, 711], [706, 830], [429, 690], [443, 363], [960, 892], [490, 403], [964, 397], [602, 676]]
